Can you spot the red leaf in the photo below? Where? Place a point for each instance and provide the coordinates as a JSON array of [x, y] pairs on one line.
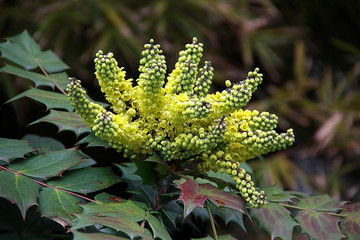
[[350, 225], [194, 195]]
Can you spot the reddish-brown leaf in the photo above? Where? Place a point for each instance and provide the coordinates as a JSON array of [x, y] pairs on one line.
[[194, 195], [350, 225]]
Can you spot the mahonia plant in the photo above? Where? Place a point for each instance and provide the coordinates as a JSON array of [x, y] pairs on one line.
[[180, 120]]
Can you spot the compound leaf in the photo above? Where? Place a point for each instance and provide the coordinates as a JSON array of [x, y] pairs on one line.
[[18, 189], [350, 225], [7, 147], [44, 144], [51, 62], [86, 180], [194, 195], [65, 121], [58, 205], [50, 99], [49, 164], [95, 236], [275, 220]]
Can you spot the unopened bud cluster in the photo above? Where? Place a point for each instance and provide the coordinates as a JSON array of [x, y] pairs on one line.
[[179, 119]]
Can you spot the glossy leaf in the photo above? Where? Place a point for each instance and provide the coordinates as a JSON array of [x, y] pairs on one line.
[[157, 227], [49, 164], [317, 223], [43, 144], [350, 225], [7, 146], [18, 189], [51, 62], [93, 141], [58, 205], [95, 236], [86, 180], [65, 121], [275, 220], [276, 194], [50, 99], [119, 216], [39, 79], [194, 195], [228, 215]]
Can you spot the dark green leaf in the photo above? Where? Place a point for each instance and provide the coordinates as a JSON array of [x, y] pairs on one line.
[[320, 203], [18, 189], [50, 99], [51, 62], [275, 220], [95, 236], [146, 171], [11, 149], [58, 205], [157, 227], [86, 180], [39, 79], [65, 121], [44, 144], [350, 225], [49, 164], [194, 195], [119, 216], [229, 215], [276, 194], [26, 42], [93, 141]]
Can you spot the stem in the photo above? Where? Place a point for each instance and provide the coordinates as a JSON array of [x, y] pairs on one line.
[[311, 210], [46, 185], [211, 221], [48, 76]]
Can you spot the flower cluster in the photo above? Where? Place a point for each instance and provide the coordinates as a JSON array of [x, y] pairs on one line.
[[178, 119]]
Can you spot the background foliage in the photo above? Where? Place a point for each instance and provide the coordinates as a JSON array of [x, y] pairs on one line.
[[309, 52]]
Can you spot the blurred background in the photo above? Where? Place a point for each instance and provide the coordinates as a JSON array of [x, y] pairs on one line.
[[307, 50]]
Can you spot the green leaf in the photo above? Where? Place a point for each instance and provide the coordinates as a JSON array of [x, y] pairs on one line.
[[350, 225], [49, 164], [43, 144], [65, 121], [39, 79], [11, 149], [50, 99], [275, 220], [276, 194], [51, 62], [146, 171], [93, 141], [86, 180], [95, 236], [319, 225], [228, 215], [58, 205], [194, 195], [18, 189], [320, 203], [119, 216], [157, 227]]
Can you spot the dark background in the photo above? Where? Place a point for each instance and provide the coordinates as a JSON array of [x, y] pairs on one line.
[[308, 51]]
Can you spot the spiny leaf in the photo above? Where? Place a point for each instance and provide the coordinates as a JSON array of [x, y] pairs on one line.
[[18, 189], [44, 144], [65, 121], [50, 99], [24, 51], [321, 203], [119, 216], [86, 180], [58, 205], [350, 225], [319, 225], [39, 79], [51, 62], [93, 141], [275, 220], [95, 236], [157, 227], [276, 194], [49, 164], [228, 215], [8, 146], [194, 195]]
